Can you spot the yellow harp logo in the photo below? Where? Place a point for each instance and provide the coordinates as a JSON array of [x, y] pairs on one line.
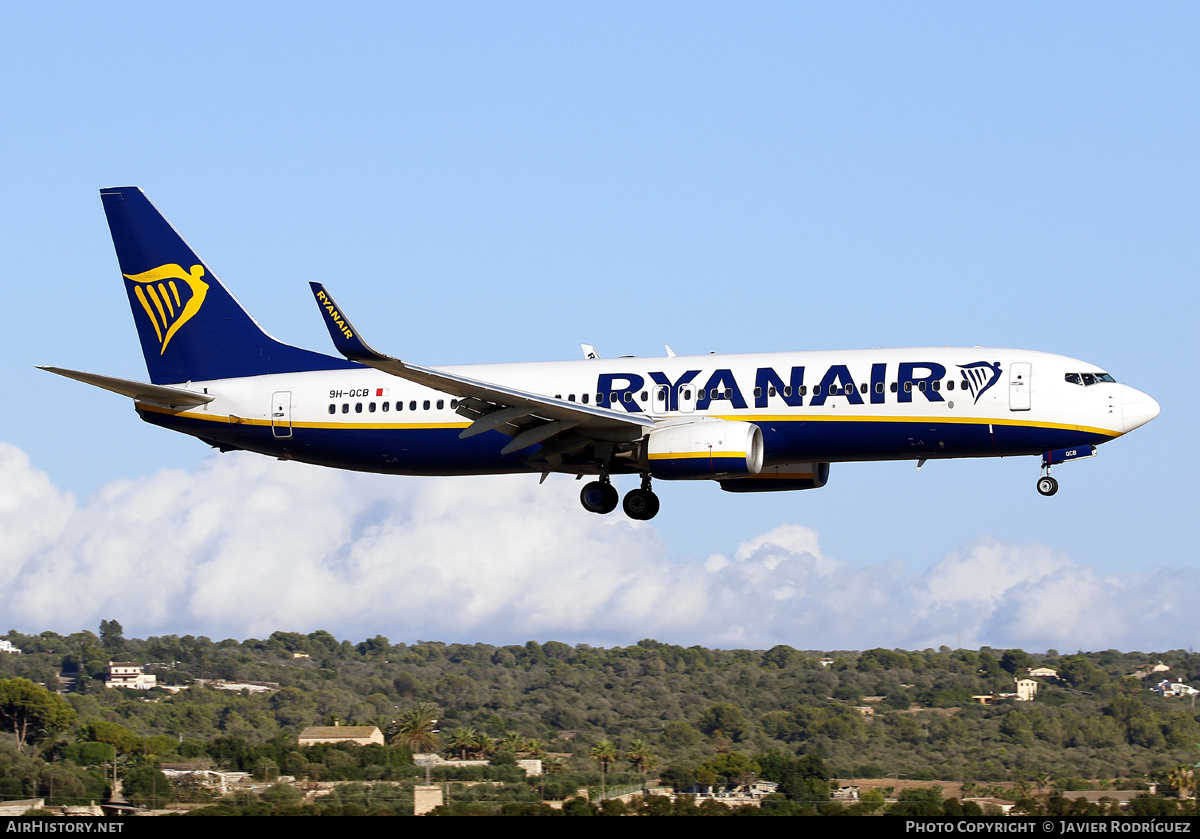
[[158, 293]]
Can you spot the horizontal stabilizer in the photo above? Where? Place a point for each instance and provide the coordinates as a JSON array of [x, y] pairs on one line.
[[166, 397]]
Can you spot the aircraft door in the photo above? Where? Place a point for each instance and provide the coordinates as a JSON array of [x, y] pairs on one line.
[[281, 414], [687, 398], [1020, 375]]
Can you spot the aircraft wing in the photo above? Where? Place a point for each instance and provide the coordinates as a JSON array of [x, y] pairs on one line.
[[166, 397], [527, 417]]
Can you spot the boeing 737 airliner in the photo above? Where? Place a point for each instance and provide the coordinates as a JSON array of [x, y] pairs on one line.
[[751, 422]]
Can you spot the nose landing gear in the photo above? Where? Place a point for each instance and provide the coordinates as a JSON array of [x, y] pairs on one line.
[[1046, 485]]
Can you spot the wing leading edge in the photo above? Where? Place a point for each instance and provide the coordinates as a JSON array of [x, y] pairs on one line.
[[527, 417]]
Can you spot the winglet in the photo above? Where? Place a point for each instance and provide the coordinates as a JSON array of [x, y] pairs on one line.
[[345, 337]]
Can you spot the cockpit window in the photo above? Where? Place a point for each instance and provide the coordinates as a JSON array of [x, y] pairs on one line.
[[1086, 379]]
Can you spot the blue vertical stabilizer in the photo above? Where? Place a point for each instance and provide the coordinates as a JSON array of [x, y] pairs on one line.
[[190, 326]]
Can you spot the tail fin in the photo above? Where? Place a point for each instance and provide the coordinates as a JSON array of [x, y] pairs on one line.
[[190, 326]]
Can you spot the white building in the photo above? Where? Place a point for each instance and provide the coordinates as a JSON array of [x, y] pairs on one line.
[[127, 675]]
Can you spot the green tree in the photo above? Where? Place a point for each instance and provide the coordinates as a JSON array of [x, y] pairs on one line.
[[726, 717], [639, 755], [604, 753], [416, 728], [112, 638], [114, 734], [31, 712]]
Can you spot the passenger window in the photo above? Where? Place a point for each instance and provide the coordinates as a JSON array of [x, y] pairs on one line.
[[894, 387], [937, 384], [358, 407], [386, 406], [412, 405], [453, 404], [332, 408], [921, 386], [628, 397], [728, 393], [771, 390], [645, 396], [571, 397], [345, 407], [757, 392], [908, 387], [787, 390], [863, 388], [803, 390], [879, 387], [371, 407], [661, 395], [441, 404], [399, 406], [425, 405], [950, 385], [816, 390], [585, 398]]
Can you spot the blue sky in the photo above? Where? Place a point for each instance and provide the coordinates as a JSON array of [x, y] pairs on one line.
[[499, 182]]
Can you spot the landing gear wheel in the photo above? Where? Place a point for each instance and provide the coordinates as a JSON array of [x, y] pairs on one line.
[[599, 497], [1047, 485], [640, 504]]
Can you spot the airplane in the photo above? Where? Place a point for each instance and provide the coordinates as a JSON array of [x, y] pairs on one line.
[[752, 422]]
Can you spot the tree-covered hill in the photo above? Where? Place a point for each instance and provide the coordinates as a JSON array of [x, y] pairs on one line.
[[863, 714]]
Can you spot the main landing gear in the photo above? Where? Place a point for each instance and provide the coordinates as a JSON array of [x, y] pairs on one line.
[[641, 504], [601, 497]]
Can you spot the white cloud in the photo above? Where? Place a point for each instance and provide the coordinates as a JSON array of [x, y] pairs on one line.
[[247, 545]]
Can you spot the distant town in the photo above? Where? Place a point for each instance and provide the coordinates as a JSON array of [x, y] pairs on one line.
[[295, 724]]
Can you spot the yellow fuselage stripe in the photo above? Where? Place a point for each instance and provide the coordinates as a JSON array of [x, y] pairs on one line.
[[788, 418]]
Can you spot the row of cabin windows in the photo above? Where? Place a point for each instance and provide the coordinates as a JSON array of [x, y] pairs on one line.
[[387, 406], [727, 393], [661, 395]]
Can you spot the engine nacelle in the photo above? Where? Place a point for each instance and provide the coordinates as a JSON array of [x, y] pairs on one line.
[[780, 477], [705, 449]]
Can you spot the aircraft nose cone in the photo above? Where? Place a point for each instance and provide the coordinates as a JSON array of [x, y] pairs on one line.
[[1137, 408]]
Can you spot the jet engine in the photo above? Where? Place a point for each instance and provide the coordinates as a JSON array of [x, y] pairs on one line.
[[705, 449]]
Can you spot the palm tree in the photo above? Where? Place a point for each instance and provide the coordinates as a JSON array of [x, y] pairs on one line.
[[462, 740], [639, 755], [417, 728], [604, 753], [1183, 778], [535, 749], [482, 746], [512, 742]]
